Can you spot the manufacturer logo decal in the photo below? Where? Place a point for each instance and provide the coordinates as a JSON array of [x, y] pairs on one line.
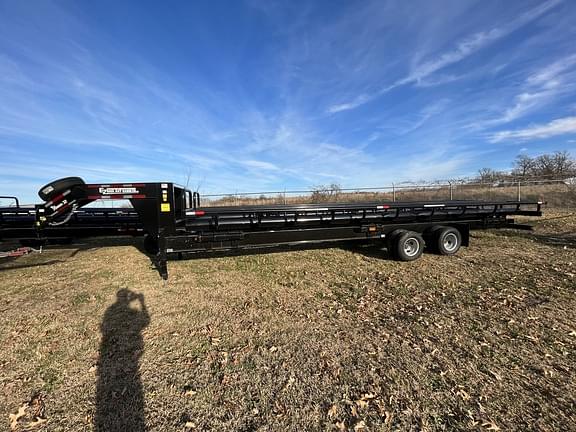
[[117, 190], [57, 206]]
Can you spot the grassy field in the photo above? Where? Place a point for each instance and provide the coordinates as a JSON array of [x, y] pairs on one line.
[[335, 339]]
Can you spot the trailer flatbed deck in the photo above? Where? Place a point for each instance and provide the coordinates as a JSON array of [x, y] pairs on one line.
[[175, 223]]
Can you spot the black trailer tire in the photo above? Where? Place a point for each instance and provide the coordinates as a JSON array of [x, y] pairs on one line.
[[391, 241], [447, 240], [408, 246], [430, 236], [52, 189]]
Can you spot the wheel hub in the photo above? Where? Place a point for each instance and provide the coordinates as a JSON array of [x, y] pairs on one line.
[[411, 246], [450, 242]]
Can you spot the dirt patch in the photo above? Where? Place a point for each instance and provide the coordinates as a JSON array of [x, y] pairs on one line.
[[329, 339]]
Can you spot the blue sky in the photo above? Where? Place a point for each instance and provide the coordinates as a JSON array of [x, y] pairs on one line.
[[267, 95]]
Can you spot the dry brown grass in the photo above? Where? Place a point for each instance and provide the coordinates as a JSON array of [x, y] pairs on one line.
[[311, 340]]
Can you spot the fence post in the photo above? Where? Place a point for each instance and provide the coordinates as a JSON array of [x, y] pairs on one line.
[[284, 196], [518, 189], [393, 192], [451, 192]]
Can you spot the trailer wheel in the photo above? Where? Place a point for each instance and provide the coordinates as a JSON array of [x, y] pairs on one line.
[[408, 246], [391, 241], [447, 240], [52, 189]]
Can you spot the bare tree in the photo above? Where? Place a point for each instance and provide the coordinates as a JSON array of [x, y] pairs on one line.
[[323, 193], [488, 175], [523, 166], [556, 165], [564, 165], [545, 166], [485, 174]]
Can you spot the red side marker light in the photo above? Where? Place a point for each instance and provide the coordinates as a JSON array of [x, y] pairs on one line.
[[196, 213]]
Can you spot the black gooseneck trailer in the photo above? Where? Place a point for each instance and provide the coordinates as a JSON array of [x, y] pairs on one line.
[[175, 223]]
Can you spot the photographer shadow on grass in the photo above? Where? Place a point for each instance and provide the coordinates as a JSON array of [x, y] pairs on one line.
[[119, 393]]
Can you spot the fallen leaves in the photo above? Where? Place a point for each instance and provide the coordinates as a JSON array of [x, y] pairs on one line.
[[463, 394], [332, 411], [388, 418], [15, 417], [341, 425], [39, 421], [37, 406], [495, 374], [491, 426], [32, 411], [363, 402]]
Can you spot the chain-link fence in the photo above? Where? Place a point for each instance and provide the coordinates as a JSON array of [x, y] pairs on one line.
[[557, 193]]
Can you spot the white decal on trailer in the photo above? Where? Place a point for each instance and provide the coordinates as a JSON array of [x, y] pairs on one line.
[[117, 190]]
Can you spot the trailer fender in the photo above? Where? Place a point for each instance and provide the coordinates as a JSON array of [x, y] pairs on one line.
[[464, 232]]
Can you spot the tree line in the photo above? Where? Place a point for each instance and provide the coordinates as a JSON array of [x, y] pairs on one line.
[[559, 165]]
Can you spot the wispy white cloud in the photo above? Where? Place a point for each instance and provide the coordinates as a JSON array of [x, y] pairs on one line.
[[412, 122], [475, 42], [548, 76], [463, 49], [429, 112], [360, 100], [541, 87], [263, 165], [561, 126], [439, 79], [529, 91]]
